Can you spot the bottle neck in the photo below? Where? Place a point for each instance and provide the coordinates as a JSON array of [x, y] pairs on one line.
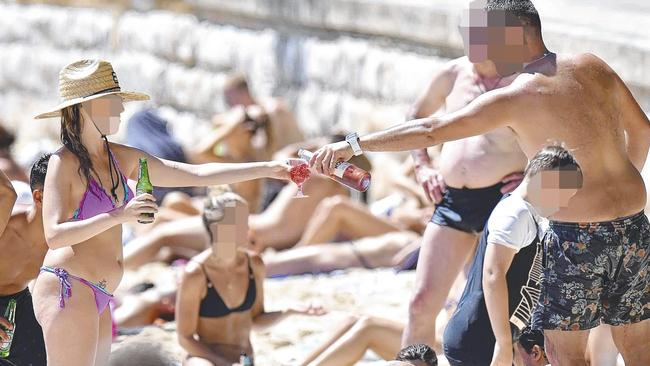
[[10, 313], [144, 171]]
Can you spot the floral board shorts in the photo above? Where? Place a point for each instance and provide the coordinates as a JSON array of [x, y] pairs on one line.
[[593, 273]]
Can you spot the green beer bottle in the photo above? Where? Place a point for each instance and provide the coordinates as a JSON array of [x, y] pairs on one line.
[[10, 315], [144, 184]]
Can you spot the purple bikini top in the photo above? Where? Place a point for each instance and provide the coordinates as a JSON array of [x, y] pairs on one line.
[[96, 201]]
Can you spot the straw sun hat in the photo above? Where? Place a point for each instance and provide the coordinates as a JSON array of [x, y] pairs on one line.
[[85, 80]]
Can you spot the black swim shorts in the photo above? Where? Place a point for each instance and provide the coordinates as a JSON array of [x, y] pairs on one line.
[[467, 209]]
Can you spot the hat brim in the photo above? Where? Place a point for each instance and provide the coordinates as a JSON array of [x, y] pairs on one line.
[[127, 96]]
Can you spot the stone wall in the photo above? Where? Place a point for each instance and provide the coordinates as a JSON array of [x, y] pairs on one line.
[[355, 64]]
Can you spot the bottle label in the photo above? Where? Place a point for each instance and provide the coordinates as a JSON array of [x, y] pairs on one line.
[[305, 154], [340, 168], [6, 345]]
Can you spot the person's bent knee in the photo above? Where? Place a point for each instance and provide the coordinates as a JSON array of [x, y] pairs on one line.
[[331, 203], [365, 322], [363, 328], [174, 199]]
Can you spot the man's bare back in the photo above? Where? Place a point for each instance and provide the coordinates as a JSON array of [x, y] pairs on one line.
[[23, 248], [477, 161], [586, 106]]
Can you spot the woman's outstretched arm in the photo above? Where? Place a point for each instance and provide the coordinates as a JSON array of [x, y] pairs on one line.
[[167, 173]]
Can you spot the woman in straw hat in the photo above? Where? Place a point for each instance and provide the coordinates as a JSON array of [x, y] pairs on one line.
[[88, 200]]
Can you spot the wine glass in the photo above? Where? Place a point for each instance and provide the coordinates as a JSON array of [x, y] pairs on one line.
[[299, 173]]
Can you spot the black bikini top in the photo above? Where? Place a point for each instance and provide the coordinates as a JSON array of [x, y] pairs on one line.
[[212, 305]]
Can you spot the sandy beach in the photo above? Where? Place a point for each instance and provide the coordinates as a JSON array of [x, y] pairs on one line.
[[381, 293]]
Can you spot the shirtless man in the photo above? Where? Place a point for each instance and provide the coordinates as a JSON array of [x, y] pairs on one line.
[[23, 248], [272, 111], [579, 100], [467, 184]]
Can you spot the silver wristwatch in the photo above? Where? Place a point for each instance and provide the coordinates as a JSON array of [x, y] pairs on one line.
[[353, 140]]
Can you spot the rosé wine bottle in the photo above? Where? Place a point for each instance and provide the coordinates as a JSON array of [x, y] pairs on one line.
[[345, 173]]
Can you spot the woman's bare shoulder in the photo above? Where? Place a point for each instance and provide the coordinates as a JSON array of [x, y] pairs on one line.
[[63, 161], [194, 266], [127, 156], [117, 147]]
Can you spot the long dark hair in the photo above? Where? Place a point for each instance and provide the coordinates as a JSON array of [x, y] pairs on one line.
[[71, 138]]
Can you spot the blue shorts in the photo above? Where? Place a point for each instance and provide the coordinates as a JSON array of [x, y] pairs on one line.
[[467, 209]]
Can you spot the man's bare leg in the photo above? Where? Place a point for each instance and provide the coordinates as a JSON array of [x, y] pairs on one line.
[[188, 233], [283, 222], [632, 341], [181, 203], [311, 259], [371, 252], [601, 350], [443, 253], [566, 348], [340, 215]]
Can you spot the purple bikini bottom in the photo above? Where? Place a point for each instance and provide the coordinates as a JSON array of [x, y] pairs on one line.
[[101, 296]]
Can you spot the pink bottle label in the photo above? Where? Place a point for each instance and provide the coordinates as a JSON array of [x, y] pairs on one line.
[[340, 168]]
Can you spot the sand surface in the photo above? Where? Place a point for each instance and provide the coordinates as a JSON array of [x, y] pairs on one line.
[[380, 293]]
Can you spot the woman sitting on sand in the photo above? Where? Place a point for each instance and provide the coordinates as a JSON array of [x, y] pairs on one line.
[[221, 295]]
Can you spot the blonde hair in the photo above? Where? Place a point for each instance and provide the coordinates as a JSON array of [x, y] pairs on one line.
[[214, 206]]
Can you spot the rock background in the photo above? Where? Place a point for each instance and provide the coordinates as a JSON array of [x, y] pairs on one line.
[[355, 64]]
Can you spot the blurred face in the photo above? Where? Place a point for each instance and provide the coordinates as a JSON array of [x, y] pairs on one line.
[[233, 227], [497, 36], [237, 96], [105, 112], [556, 188]]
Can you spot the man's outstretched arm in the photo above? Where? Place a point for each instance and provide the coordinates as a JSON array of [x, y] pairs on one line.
[[487, 112]]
